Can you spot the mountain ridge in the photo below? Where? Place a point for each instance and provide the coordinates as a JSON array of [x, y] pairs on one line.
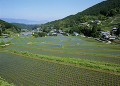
[[23, 21], [25, 26]]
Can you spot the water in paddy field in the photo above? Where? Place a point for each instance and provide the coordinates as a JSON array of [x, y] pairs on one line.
[[31, 72], [66, 47], [5, 39]]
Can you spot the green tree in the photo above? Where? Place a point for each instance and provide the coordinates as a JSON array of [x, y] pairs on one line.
[[94, 32], [118, 30], [0, 29], [41, 34], [101, 17], [112, 12]]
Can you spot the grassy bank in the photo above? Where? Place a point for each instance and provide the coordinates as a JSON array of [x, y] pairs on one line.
[[78, 62], [3, 82]]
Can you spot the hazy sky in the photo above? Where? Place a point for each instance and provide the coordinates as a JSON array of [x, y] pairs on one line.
[[43, 9]]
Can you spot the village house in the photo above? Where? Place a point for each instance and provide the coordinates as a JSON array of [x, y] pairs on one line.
[[60, 31], [5, 35], [67, 34], [24, 30], [48, 34], [59, 34], [54, 34], [105, 35], [76, 34], [112, 37], [96, 22], [39, 29], [53, 30], [114, 30], [85, 24]]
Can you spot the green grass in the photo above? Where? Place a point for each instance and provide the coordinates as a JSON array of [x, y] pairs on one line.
[[79, 62], [2, 42], [3, 82]]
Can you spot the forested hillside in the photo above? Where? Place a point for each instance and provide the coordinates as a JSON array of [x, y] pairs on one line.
[[24, 26], [7, 28], [107, 8], [103, 11]]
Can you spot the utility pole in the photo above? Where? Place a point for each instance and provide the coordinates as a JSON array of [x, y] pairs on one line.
[[0, 29]]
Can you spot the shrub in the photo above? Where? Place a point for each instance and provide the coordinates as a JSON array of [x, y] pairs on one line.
[[2, 42]]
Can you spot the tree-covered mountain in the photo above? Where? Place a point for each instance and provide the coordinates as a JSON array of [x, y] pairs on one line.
[[107, 8], [7, 28], [103, 11], [24, 26]]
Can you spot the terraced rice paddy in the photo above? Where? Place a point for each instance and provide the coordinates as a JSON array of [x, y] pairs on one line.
[[31, 72], [24, 71], [67, 47]]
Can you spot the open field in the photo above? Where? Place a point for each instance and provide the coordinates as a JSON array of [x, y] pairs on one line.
[[60, 61]]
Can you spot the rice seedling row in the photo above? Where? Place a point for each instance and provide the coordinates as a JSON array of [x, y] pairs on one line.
[[75, 47], [63, 49], [68, 55], [35, 72], [31, 72]]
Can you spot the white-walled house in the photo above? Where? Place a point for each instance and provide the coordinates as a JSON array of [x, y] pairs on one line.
[[75, 34], [84, 24], [60, 31], [114, 30], [112, 37], [105, 34], [54, 34], [96, 22], [53, 30]]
